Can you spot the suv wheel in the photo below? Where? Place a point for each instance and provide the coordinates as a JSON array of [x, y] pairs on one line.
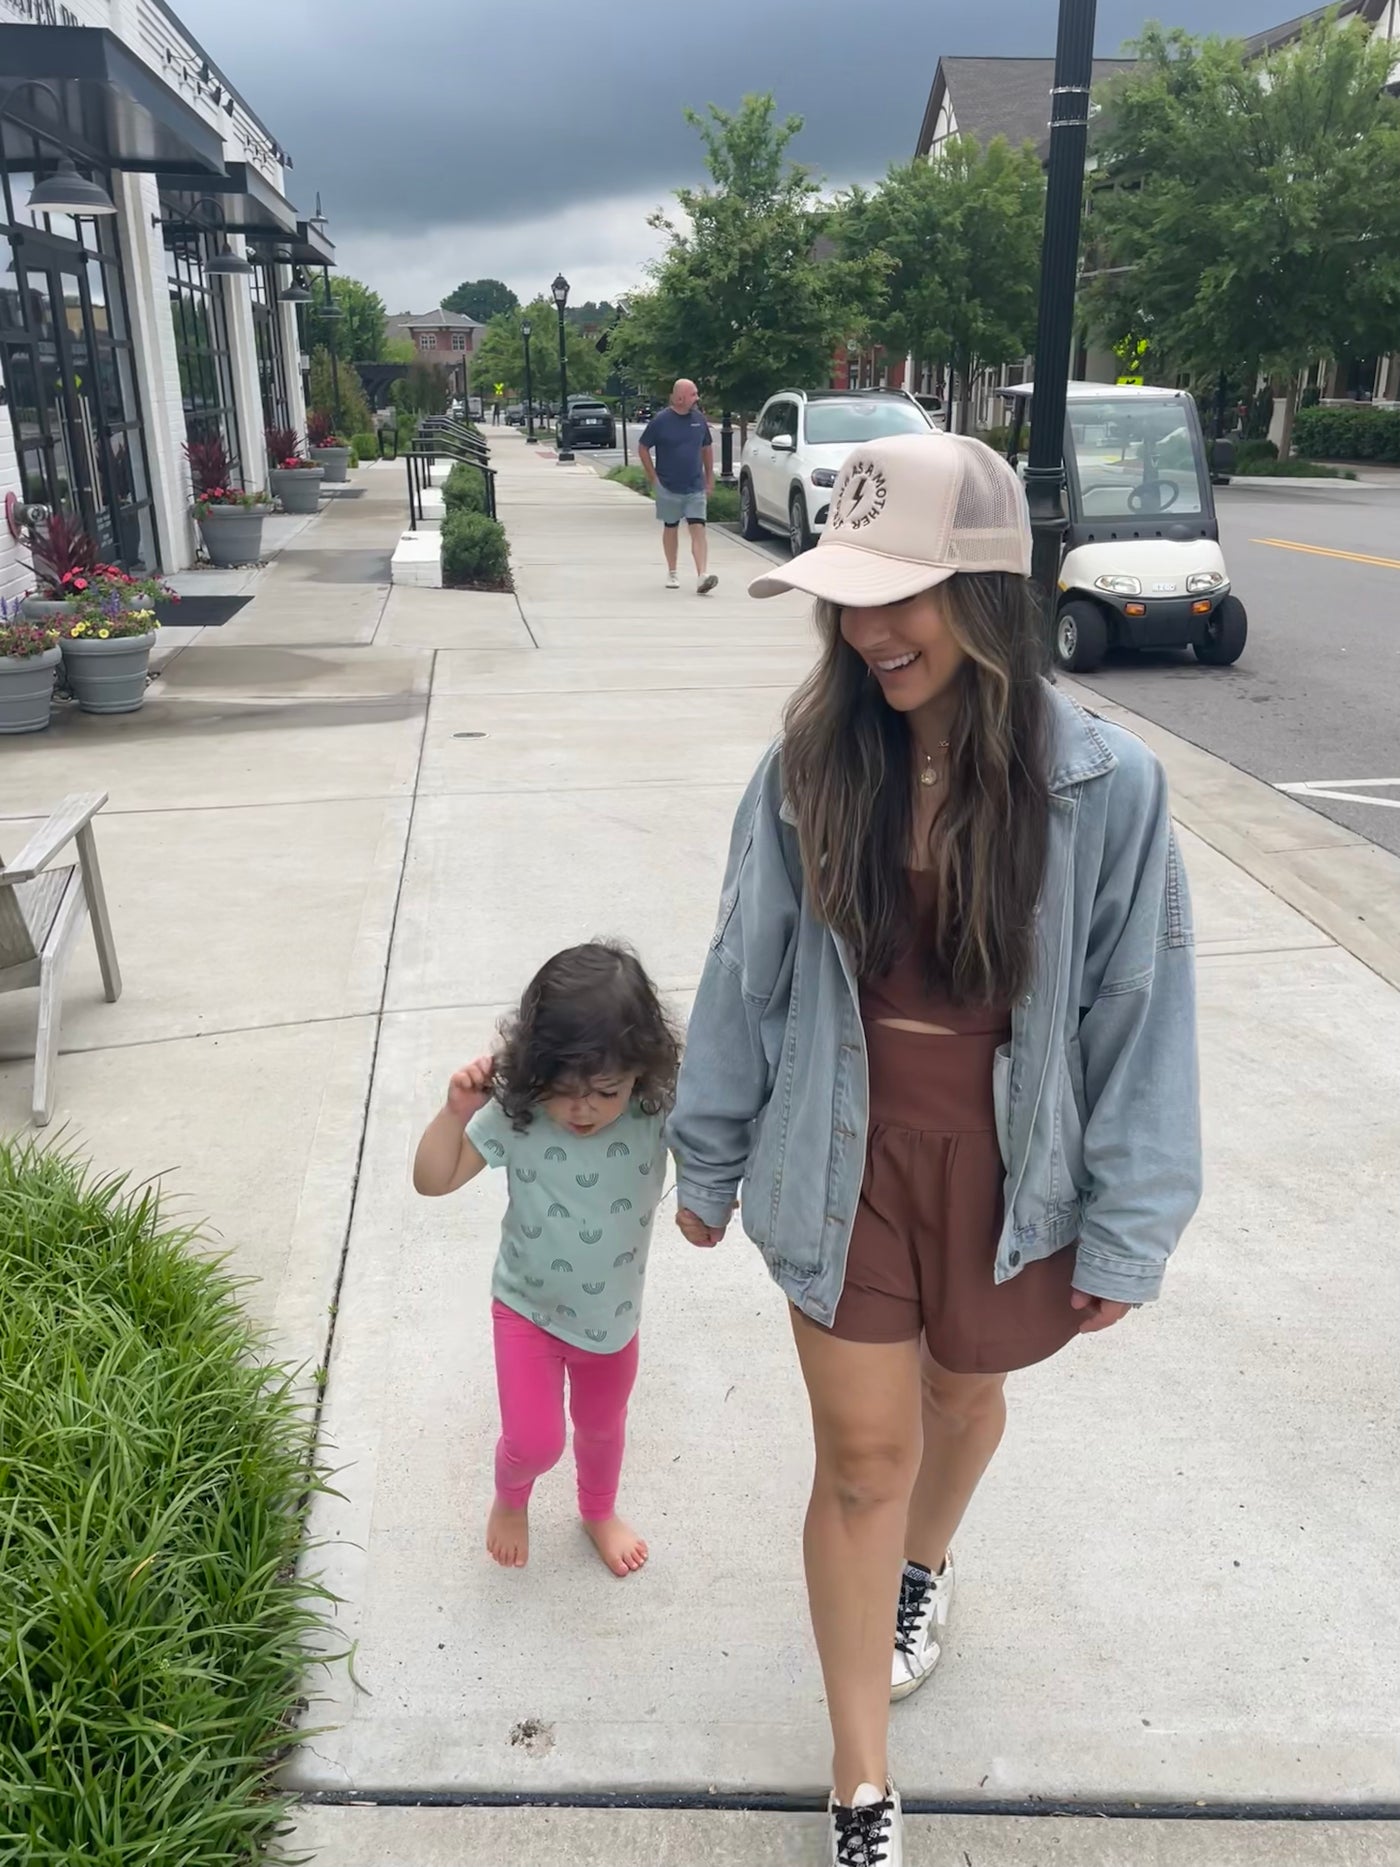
[[799, 531], [749, 526]]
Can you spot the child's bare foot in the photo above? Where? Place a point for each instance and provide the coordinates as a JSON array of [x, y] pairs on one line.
[[508, 1535], [617, 1543]]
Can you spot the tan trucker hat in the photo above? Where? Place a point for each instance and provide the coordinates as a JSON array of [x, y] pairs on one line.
[[908, 512]]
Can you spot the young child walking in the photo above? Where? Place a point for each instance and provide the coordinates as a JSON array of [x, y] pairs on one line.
[[570, 1108]]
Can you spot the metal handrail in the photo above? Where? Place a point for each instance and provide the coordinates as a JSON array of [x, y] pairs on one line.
[[466, 444], [419, 463]]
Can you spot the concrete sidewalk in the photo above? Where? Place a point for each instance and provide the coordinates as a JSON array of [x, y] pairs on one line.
[[344, 831]]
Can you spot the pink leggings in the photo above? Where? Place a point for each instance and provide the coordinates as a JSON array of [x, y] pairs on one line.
[[530, 1368]]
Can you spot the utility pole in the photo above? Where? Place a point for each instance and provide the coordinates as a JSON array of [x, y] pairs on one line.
[[1059, 265]]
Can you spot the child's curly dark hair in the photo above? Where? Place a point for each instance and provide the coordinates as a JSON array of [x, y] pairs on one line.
[[589, 1011]]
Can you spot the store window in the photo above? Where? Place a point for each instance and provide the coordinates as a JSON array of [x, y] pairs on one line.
[[201, 338], [267, 338], [65, 347]]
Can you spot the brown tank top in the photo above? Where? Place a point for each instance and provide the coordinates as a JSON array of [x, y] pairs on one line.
[[903, 993]]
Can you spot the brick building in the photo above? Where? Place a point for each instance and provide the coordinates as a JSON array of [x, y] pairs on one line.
[[445, 339]]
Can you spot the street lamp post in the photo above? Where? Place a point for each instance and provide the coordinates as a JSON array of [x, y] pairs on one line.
[[560, 293], [331, 311], [530, 441], [726, 449], [1059, 264]]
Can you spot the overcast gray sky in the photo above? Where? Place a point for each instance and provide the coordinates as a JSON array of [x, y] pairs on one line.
[[459, 139]]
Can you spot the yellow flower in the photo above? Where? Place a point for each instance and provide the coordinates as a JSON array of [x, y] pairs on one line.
[[143, 615], [79, 628], [102, 634]]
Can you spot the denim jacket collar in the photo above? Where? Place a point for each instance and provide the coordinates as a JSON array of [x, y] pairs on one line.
[[1078, 750]]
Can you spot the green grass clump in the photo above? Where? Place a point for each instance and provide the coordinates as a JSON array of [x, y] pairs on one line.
[[153, 1474]]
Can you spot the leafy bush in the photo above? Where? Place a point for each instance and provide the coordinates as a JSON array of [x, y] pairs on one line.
[[1262, 468], [152, 1623], [365, 445], [998, 439], [1246, 452], [464, 489], [1358, 433], [354, 409], [474, 551], [282, 444]]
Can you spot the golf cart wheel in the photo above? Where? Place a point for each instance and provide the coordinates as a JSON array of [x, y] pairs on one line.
[[799, 531], [1081, 637], [749, 526], [1227, 630]]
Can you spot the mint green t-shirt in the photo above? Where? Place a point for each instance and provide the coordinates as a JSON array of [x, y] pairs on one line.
[[578, 1221]]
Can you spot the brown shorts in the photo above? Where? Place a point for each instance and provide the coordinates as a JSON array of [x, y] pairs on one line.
[[926, 1230]]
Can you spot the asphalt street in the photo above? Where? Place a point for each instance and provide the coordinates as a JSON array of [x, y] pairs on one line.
[[1315, 699]]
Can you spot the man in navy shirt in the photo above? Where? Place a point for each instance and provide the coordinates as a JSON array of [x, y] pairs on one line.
[[677, 453]]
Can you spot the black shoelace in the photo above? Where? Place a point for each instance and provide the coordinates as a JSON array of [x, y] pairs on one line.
[[914, 1598], [863, 1835]]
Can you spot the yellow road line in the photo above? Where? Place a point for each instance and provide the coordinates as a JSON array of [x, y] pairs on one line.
[[1322, 551]]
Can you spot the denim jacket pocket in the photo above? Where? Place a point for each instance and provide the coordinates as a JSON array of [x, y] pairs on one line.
[[1073, 1120]]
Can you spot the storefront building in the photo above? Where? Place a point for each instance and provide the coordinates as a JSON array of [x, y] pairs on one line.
[[125, 334]]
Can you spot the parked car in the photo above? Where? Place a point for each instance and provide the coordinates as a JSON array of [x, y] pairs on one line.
[[797, 447], [587, 423]]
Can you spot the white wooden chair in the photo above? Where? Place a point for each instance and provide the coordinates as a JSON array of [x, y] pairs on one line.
[[41, 912]]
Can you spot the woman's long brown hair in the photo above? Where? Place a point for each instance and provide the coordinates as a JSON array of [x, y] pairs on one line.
[[848, 774]]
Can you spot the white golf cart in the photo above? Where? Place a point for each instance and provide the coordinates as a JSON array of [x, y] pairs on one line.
[[1141, 565]]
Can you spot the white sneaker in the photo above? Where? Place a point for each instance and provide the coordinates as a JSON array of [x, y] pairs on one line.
[[871, 1832], [706, 584], [673, 582], [921, 1620]]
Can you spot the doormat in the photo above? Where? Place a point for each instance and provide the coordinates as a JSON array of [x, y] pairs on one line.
[[199, 612]]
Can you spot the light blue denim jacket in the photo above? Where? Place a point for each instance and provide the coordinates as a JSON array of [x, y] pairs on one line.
[[1097, 1097]]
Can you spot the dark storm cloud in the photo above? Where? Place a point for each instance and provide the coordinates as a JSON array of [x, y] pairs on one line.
[[431, 111]]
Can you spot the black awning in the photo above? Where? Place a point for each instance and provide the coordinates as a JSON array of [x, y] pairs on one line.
[[311, 247], [117, 111], [251, 205]]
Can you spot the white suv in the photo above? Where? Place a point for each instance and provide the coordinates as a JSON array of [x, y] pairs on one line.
[[798, 446]]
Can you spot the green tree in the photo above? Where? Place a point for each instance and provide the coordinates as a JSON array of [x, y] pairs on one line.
[[500, 355], [959, 239], [741, 301], [1247, 212], [425, 390], [354, 409], [359, 335], [399, 350], [482, 299]]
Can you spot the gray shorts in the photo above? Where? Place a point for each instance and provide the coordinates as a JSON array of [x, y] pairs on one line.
[[671, 508]]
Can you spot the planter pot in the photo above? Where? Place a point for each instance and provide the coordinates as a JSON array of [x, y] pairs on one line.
[[299, 488], [108, 677], [43, 609], [26, 691], [335, 460], [233, 534]]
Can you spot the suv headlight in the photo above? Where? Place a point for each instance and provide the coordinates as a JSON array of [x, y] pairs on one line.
[[823, 476], [1119, 586], [1201, 582]]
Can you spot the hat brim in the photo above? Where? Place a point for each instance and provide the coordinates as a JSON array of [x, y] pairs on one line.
[[851, 577]]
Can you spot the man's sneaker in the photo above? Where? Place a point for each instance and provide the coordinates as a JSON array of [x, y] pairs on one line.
[[673, 582], [871, 1832], [706, 584], [920, 1623]]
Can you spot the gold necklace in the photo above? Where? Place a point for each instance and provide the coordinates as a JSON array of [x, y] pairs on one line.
[[929, 777]]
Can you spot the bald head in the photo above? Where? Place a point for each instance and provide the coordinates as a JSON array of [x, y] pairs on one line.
[[684, 396]]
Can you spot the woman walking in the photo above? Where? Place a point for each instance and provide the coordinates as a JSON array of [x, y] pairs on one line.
[[945, 1040]]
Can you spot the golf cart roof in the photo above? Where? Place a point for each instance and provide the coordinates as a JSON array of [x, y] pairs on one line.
[[1097, 391]]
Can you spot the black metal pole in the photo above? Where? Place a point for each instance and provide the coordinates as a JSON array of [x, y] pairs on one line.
[[622, 401], [564, 453], [726, 449], [530, 440], [1059, 264], [330, 345]]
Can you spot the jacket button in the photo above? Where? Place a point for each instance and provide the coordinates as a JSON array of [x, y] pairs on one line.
[[1014, 1259]]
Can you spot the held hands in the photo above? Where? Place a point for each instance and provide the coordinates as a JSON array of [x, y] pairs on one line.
[[694, 1229], [470, 1089], [1099, 1312]]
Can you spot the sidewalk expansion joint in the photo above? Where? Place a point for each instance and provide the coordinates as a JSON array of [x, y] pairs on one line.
[[757, 1802]]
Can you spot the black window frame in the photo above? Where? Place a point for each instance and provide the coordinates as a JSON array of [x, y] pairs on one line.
[[267, 343], [206, 367]]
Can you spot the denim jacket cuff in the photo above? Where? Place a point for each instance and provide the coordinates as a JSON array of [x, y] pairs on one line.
[[1116, 1279], [714, 1208]]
